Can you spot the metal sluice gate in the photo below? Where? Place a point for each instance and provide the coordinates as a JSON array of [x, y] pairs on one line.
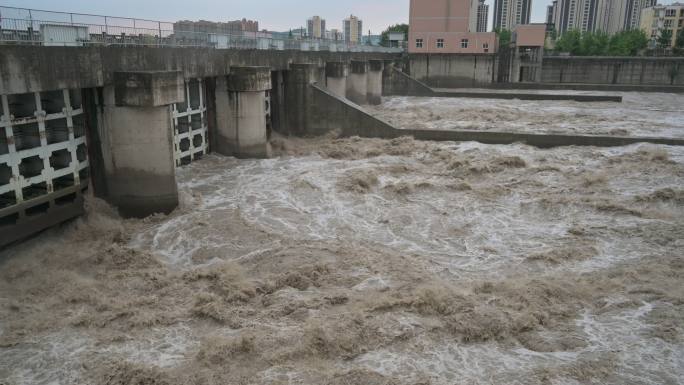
[[43, 161], [190, 124]]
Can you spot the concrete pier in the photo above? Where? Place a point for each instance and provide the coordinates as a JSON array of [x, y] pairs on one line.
[[357, 83], [137, 146], [241, 110], [336, 78], [298, 98], [374, 82], [387, 67]]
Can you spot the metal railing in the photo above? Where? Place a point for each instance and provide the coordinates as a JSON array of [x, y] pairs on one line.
[[47, 28]]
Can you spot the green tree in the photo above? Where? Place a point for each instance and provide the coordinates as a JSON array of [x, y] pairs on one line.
[[665, 38], [627, 43], [504, 37], [593, 44], [384, 37], [679, 44], [571, 42]]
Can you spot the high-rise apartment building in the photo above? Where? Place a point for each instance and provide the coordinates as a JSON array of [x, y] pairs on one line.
[[447, 26], [575, 15], [482, 16], [619, 15], [633, 19], [655, 20], [353, 29], [510, 13], [550, 12], [610, 16], [316, 27]]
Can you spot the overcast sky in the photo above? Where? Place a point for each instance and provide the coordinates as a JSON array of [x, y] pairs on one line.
[[277, 15]]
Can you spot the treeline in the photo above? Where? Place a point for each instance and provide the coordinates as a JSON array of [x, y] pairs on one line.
[[625, 43], [384, 36]]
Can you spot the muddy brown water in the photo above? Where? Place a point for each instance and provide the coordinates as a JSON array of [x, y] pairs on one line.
[[364, 261], [640, 114]]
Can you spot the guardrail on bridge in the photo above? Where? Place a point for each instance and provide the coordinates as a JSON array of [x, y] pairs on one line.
[[47, 28]]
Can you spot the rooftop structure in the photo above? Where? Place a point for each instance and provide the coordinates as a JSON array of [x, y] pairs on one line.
[[204, 26], [447, 26]]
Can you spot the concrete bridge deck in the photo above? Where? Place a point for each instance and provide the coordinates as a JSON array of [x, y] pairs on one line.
[[35, 68]]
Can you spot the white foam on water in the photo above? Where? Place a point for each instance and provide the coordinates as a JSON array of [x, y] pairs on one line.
[[53, 359], [263, 194], [161, 347], [59, 358], [640, 359], [296, 199], [640, 114]]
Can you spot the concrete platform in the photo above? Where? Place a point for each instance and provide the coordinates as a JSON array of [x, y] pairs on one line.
[[398, 83], [485, 94], [331, 112], [589, 87]]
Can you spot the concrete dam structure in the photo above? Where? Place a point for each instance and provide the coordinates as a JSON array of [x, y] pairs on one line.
[[123, 119], [180, 204], [126, 118], [431, 237]]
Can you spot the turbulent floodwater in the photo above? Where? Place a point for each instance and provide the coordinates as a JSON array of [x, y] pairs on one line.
[[640, 114], [364, 261]]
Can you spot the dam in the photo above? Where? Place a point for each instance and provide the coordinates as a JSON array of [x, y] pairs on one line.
[[191, 215], [189, 101]]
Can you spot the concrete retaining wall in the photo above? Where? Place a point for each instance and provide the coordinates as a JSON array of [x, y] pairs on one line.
[[453, 70], [613, 70], [469, 70], [396, 82], [35, 68], [333, 113], [399, 83], [590, 87]]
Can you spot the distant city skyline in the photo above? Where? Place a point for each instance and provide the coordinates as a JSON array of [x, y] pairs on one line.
[[274, 15]]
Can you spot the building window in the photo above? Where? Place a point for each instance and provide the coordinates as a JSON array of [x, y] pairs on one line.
[[670, 12], [419, 43], [668, 23], [485, 47], [464, 43], [440, 43]]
